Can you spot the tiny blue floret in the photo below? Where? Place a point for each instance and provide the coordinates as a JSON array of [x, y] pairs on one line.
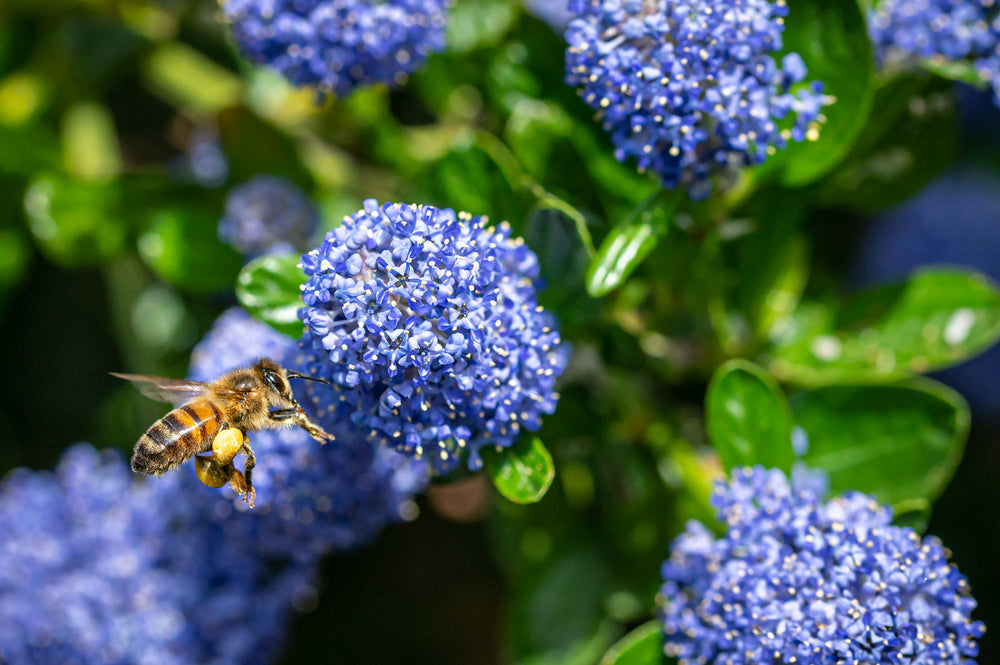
[[796, 579], [338, 45], [428, 326], [690, 88]]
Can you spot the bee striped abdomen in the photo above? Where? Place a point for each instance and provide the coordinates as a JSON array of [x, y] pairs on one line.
[[177, 436]]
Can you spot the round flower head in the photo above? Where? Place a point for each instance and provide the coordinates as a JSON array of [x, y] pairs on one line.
[[268, 215], [337, 45], [799, 580], [906, 31], [688, 88], [311, 497], [427, 325]]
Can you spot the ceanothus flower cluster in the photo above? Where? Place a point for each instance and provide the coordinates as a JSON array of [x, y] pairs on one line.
[[268, 215], [907, 31], [689, 88], [101, 568], [338, 45], [311, 498], [796, 579], [427, 324]]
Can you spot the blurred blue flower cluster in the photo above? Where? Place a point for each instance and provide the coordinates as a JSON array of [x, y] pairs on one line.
[[689, 88], [906, 31], [428, 326], [796, 579], [338, 45], [268, 215], [100, 566]]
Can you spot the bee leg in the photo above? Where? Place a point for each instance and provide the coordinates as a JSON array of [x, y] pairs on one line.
[[248, 466], [298, 416]]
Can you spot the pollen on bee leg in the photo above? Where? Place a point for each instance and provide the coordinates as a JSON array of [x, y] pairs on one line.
[[227, 444], [210, 472]]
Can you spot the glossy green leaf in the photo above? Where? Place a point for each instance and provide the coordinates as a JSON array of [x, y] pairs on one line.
[[901, 442], [935, 319], [182, 247], [642, 646], [909, 139], [75, 223], [832, 38], [747, 417], [630, 242], [522, 473], [269, 289]]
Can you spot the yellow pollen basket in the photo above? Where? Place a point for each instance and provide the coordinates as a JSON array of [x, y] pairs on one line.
[[226, 445], [209, 472]]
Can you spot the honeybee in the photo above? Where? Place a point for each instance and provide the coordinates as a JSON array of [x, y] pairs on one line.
[[215, 417]]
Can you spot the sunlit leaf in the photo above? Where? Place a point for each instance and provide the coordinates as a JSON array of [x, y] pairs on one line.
[[748, 418]]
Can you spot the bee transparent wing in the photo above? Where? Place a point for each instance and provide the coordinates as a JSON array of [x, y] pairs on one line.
[[162, 389]]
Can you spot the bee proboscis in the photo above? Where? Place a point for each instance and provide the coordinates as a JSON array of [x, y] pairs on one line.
[[215, 417]]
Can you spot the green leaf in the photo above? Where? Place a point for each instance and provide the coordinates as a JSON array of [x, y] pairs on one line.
[[642, 646], [915, 514], [900, 443], [937, 318], [908, 140], [630, 242], [832, 38], [268, 288], [182, 247], [747, 417], [522, 473], [476, 23], [186, 78], [75, 223], [962, 71]]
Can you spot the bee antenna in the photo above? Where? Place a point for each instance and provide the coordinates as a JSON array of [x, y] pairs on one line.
[[296, 375]]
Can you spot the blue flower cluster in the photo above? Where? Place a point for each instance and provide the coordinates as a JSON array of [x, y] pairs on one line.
[[311, 497], [337, 45], [428, 326], [688, 88], [799, 580], [268, 215], [906, 31], [101, 569]]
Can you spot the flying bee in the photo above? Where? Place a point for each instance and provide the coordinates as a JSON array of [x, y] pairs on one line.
[[215, 416]]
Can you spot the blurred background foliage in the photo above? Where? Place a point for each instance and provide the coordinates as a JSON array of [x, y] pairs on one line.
[[123, 124]]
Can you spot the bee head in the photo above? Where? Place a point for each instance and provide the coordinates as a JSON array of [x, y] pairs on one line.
[[277, 378]]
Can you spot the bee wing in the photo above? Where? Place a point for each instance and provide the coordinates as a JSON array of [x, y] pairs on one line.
[[163, 389]]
